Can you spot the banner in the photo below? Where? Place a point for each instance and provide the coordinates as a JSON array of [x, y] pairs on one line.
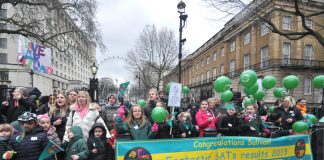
[[220, 148], [35, 56], [50, 149]]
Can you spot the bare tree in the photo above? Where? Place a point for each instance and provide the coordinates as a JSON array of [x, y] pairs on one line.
[[266, 11], [153, 56], [51, 21]]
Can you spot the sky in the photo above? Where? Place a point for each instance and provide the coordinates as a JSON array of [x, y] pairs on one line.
[[122, 21]]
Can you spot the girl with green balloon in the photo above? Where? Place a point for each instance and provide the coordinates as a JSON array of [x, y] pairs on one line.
[[136, 124]]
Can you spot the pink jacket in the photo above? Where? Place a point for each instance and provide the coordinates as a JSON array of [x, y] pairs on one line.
[[203, 123]]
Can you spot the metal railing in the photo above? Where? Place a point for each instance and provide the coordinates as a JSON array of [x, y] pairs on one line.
[[282, 63]]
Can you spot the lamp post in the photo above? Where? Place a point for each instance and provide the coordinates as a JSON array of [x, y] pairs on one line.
[[94, 83], [183, 17]]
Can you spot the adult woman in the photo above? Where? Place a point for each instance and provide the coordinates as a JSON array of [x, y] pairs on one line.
[[84, 115], [58, 114], [206, 120], [46, 107]]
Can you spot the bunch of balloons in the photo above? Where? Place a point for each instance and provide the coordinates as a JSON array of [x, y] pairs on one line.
[[223, 85]]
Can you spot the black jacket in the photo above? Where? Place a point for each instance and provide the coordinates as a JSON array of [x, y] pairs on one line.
[[31, 146], [60, 129], [163, 131], [292, 112], [189, 129], [12, 113], [104, 150], [148, 110], [228, 125], [277, 130], [4, 146]]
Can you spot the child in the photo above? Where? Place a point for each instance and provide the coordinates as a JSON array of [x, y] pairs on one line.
[[276, 128], [45, 122], [228, 123], [98, 145], [5, 132], [136, 124], [184, 128], [30, 143], [206, 120], [76, 148], [251, 124]]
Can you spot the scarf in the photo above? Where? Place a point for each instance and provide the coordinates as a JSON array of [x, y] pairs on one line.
[[82, 111], [302, 108]]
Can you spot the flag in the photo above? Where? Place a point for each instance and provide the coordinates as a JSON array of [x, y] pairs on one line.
[[50, 149], [123, 87]]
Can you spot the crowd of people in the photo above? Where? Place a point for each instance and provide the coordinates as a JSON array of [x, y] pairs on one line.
[[87, 130]]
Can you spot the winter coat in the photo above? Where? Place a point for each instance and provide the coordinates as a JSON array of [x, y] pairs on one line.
[[13, 112], [60, 129], [31, 146], [92, 116], [43, 109], [163, 131], [203, 123], [252, 128], [107, 114], [136, 132], [188, 129], [227, 125], [77, 145], [52, 135], [292, 113], [4, 146], [277, 130], [148, 110], [104, 149]]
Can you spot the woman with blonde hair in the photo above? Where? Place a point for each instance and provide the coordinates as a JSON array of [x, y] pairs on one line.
[[58, 114], [84, 115]]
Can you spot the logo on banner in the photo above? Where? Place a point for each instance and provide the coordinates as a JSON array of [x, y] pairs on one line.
[[138, 153], [300, 148]]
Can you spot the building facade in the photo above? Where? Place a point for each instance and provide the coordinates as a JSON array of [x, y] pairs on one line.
[[71, 68], [246, 43]]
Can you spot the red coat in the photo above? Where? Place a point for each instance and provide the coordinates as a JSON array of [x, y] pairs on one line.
[[203, 123]]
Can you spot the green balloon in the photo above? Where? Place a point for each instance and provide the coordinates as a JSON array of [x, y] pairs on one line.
[[227, 96], [251, 90], [222, 84], [269, 82], [248, 102], [300, 126], [271, 109], [318, 81], [290, 82], [185, 89], [248, 78], [279, 92], [259, 95], [167, 88], [158, 114], [311, 117], [141, 102]]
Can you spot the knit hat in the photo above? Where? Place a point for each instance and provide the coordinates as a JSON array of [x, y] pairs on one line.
[[27, 116], [230, 106], [43, 116]]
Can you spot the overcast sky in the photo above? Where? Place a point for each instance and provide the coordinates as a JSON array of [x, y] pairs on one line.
[[121, 22]]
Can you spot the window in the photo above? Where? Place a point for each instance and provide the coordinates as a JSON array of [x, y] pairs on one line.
[[3, 13], [309, 23], [286, 22], [307, 86], [202, 76], [3, 58], [264, 29], [207, 76], [214, 73], [264, 56], [4, 75], [246, 62], [246, 38], [233, 46], [197, 66], [208, 60], [286, 49], [202, 63], [232, 68], [3, 43], [308, 54], [193, 69], [215, 56], [221, 69], [197, 78], [222, 52]]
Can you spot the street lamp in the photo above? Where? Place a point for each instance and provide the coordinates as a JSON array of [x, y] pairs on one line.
[[94, 83], [183, 17]]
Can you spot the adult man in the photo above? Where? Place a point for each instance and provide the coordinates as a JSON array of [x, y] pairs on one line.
[[109, 110], [73, 95], [19, 105]]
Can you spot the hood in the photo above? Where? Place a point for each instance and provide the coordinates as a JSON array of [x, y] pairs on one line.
[[77, 132], [91, 132], [112, 105]]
